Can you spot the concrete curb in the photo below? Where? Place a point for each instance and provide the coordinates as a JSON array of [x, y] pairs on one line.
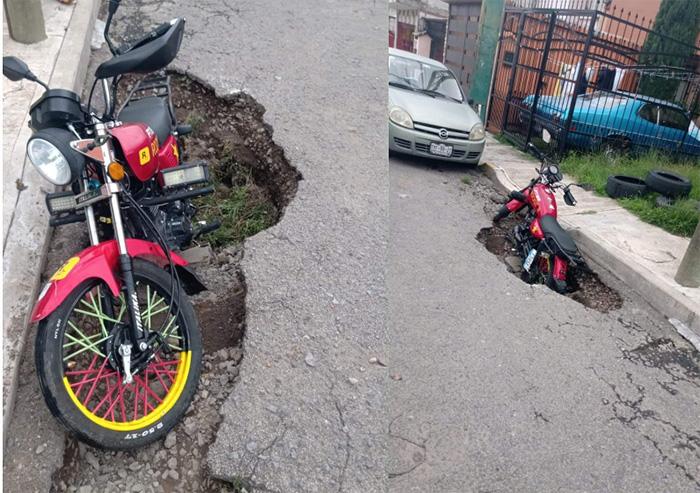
[[22, 267], [641, 280]]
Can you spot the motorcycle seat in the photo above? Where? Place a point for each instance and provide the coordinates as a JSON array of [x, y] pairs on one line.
[[553, 231], [153, 111]]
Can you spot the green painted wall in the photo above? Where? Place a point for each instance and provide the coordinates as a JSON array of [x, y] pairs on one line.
[[489, 30]]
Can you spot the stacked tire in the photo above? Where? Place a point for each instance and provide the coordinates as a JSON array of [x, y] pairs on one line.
[[668, 184]]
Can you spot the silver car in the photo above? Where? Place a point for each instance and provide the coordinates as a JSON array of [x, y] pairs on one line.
[[428, 115]]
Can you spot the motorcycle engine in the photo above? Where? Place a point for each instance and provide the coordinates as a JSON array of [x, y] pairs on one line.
[[174, 222]]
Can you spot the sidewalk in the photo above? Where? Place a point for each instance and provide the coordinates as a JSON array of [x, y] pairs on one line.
[[61, 61], [643, 256]]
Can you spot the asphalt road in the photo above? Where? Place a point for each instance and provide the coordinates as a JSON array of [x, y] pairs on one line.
[[500, 386], [307, 413]]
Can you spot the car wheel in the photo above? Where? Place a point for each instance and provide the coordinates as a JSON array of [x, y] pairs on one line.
[[620, 186], [668, 184]]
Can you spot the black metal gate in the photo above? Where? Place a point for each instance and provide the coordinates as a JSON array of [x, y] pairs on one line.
[[583, 79]]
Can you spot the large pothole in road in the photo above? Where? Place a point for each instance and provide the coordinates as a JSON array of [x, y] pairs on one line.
[[253, 182], [587, 287]]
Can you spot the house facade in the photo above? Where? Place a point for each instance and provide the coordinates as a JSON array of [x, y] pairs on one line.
[[418, 26]]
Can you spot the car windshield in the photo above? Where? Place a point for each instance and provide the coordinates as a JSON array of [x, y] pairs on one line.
[[422, 77]]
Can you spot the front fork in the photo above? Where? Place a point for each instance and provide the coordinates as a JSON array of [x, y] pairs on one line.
[[137, 336]]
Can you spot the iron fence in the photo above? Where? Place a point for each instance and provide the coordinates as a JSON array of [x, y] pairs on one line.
[[586, 79]]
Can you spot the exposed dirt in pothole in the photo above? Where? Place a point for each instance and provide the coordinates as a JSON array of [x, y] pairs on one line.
[[588, 288]]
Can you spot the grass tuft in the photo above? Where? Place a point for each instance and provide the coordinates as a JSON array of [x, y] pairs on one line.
[[681, 218], [466, 179], [242, 209]]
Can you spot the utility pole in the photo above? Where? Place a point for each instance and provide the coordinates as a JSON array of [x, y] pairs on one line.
[[25, 20], [688, 274]]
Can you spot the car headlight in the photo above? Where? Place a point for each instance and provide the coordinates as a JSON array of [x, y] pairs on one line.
[[50, 153], [400, 116], [477, 132]]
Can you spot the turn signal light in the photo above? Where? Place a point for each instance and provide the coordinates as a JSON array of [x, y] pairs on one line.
[[116, 171]]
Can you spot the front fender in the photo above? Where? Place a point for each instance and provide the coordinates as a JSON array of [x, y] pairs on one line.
[[100, 262]]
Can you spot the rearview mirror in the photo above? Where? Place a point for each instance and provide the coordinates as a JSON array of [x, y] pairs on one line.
[[15, 69]]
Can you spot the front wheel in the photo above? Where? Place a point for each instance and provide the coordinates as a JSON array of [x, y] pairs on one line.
[[80, 368]]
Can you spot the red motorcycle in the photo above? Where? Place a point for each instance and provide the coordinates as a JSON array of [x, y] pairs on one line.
[[547, 250], [118, 346]]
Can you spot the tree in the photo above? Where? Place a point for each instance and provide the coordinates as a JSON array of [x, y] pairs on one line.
[[679, 20]]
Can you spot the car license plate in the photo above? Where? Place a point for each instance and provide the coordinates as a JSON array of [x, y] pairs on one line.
[[440, 149]]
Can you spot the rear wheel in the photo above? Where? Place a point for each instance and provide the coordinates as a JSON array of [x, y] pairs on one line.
[[80, 369]]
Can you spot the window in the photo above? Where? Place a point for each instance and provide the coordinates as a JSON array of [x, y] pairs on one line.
[[650, 113], [674, 118], [417, 76], [508, 58]]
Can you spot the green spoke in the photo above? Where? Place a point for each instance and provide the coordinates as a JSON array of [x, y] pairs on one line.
[[84, 342], [148, 314], [169, 328], [91, 347], [98, 309], [69, 344], [96, 315]]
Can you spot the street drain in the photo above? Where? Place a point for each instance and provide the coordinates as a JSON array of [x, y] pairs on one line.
[[587, 288], [254, 182]]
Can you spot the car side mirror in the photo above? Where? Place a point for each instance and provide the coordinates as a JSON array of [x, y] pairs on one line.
[[15, 69]]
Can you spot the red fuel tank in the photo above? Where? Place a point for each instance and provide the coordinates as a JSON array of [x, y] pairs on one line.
[[139, 146], [543, 201]]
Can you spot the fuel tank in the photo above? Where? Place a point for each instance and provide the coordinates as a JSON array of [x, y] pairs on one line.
[[543, 201], [140, 148]]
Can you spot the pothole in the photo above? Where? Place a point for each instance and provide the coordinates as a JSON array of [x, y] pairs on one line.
[[587, 287], [254, 183]]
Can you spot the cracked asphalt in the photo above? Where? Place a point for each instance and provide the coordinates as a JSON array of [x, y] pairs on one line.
[[308, 411], [502, 386]]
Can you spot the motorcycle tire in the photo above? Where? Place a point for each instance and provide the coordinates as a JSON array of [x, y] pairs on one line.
[[668, 184], [78, 366]]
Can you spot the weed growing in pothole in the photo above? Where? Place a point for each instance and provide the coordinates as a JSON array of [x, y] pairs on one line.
[[253, 182]]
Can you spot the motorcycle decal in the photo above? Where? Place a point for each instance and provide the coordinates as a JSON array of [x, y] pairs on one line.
[[144, 156], [65, 269]]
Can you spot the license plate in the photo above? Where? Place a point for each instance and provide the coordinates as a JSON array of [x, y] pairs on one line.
[[91, 196], [530, 258], [440, 149], [80, 199]]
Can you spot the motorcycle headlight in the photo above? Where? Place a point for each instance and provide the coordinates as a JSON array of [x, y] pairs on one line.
[[50, 153], [400, 116], [477, 132]]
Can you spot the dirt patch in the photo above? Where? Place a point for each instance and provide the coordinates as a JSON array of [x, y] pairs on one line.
[[587, 287]]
